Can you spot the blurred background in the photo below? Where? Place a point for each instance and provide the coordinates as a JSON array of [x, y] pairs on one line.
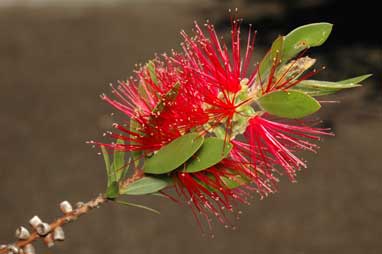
[[57, 56]]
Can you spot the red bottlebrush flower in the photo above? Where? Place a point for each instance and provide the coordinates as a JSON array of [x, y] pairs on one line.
[[220, 77], [279, 141], [209, 194], [208, 88], [160, 104]]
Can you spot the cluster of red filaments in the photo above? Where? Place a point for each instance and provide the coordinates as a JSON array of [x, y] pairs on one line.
[[205, 88]]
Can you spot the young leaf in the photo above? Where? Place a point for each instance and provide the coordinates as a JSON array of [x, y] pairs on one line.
[[289, 104], [318, 88], [212, 152], [271, 58], [234, 182], [119, 161], [109, 172], [356, 80], [174, 154], [146, 185], [151, 69], [303, 37], [169, 96], [135, 155]]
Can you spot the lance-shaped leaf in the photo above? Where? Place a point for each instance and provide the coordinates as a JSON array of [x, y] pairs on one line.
[[111, 178], [319, 88], [355, 80], [304, 37], [151, 69], [212, 152], [147, 90], [119, 165], [289, 104], [169, 97], [135, 155], [146, 185], [234, 181], [272, 58], [174, 154], [112, 182]]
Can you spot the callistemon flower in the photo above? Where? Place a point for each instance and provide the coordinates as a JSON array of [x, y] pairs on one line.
[[280, 141], [160, 106], [220, 76], [241, 125], [213, 192]]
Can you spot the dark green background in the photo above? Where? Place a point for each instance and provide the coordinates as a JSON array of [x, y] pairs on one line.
[[55, 61]]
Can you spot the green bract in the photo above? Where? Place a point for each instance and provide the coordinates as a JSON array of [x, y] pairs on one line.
[[174, 154], [289, 104], [212, 152]]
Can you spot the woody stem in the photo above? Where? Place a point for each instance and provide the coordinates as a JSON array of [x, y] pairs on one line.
[[67, 218]]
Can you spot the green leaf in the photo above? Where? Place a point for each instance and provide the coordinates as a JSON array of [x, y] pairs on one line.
[[289, 104], [272, 57], [167, 98], [314, 91], [112, 191], [212, 152], [119, 166], [303, 37], [234, 182], [151, 69], [109, 172], [138, 206], [174, 154], [356, 80], [135, 155], [146, 185], [319, 88]]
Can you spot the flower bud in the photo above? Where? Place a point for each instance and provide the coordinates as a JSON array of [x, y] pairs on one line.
[[29, 249], [43, 229], [66, 207], [22, 233], [13, 249], [58, 234], [35, 221]]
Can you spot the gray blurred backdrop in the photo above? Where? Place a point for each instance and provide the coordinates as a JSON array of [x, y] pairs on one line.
[[56, 57]]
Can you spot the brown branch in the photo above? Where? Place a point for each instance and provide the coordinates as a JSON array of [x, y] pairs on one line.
[[67, 218]]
